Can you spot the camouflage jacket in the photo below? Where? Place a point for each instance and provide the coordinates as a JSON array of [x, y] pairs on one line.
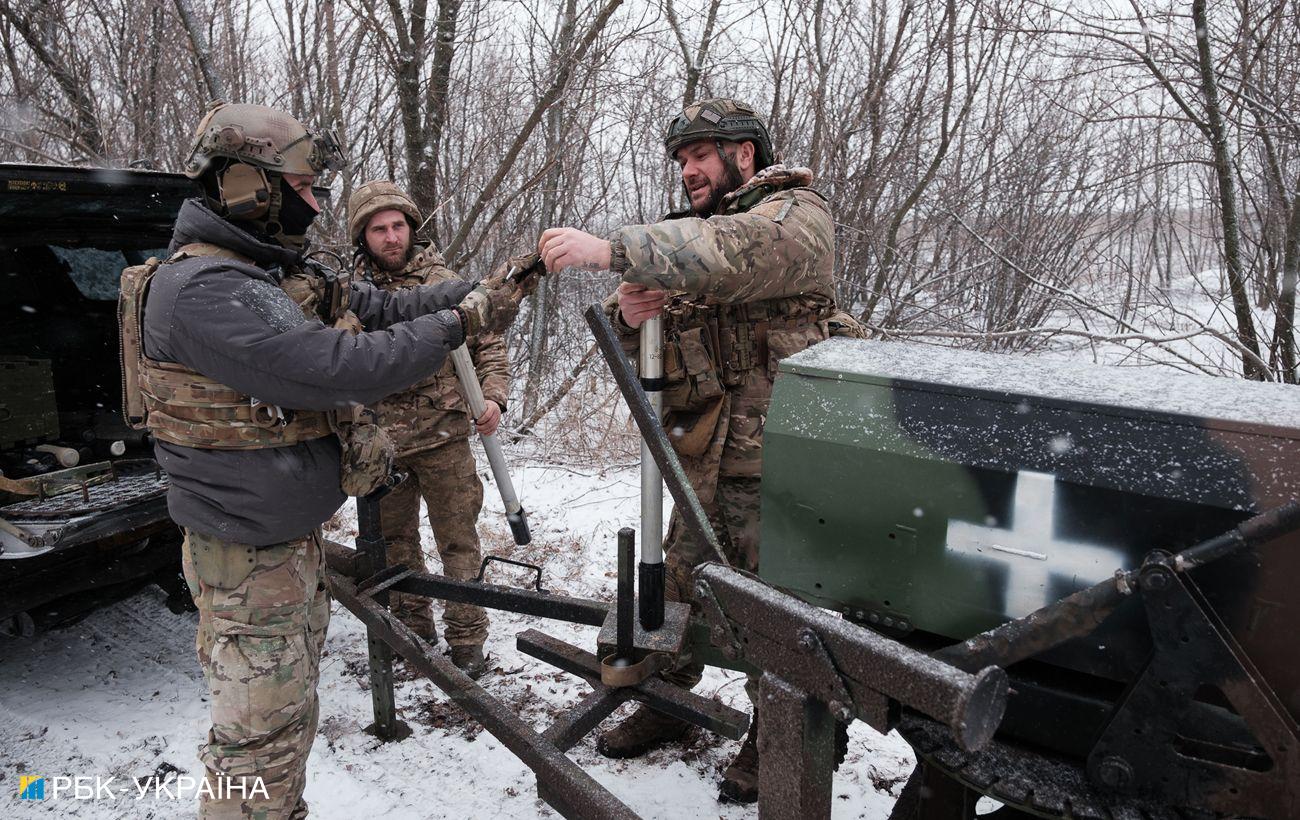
[[752, 285], [433, 412]]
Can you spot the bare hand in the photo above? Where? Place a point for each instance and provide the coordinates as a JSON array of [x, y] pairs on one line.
[[572, 248], [491, 418], [638, 303]]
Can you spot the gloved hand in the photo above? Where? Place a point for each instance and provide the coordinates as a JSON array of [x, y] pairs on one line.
[[489, 307], [494, 303]]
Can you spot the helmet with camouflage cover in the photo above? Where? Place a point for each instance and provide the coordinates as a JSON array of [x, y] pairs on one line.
[[375, 196], [721, 119], [241, 153]]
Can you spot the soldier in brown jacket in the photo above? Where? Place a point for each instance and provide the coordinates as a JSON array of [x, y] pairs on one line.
[[743, 279], [430, 426]]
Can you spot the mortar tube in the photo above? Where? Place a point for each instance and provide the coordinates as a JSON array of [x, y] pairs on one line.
[[651, 571], [473, 391]]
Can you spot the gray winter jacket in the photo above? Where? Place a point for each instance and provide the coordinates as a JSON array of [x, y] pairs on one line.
[[231, 322]]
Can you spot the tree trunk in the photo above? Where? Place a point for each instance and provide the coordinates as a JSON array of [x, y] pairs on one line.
[[88, 136], [202, 51], [541, 301], [436, 105], [1227, 195]]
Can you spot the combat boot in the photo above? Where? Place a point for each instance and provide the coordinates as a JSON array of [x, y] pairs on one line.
[[470, 660], [644, 730], [740, 780]]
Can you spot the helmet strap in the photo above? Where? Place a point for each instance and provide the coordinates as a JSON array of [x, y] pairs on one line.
[[279, 221], [272, 224]]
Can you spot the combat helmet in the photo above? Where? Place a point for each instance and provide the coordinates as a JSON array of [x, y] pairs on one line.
[[379, 195], [241, 152], [721, 119]]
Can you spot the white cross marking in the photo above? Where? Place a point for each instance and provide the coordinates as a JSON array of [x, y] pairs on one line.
[[1030, 551]]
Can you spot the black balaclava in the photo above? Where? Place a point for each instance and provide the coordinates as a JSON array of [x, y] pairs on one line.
[[296, 216]]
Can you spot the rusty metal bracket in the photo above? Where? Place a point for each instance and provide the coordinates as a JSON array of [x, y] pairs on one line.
[[841, 702], [722, 635], [382, 580], [1149, 748]]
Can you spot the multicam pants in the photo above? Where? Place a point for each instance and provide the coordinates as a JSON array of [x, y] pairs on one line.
[[733, 512], [447, 478], [262, 620]]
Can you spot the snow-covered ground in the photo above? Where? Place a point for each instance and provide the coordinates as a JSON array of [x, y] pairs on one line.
[[120, 694]]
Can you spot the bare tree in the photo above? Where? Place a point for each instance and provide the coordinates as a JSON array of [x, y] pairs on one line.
[[202, 52]]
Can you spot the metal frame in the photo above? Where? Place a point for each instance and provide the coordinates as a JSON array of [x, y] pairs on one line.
[[819, 670], [806, 698], [1140, 756]]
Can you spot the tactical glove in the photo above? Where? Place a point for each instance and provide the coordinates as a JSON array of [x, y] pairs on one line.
[[488, 307], [494, 303]]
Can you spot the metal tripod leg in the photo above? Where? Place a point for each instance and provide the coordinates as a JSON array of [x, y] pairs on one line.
[[370, 541], [796, 752]]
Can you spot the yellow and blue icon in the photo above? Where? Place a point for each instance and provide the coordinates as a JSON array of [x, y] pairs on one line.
[[31, 787]]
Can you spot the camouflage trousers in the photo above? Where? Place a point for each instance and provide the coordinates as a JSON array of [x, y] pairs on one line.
[[733, 512], [447, 479], [262, 620]]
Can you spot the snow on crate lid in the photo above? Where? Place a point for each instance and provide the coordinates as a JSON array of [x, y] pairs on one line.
[[1134, 391]]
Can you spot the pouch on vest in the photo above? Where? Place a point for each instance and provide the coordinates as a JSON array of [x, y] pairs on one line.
[[691, 433], [691, 372], [368, 456]]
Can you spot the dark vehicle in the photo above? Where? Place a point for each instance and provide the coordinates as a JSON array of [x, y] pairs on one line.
[[83, 518], [1066, 524]]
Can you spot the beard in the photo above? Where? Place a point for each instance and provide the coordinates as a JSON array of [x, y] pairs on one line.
[[717, 190], [394, 259]]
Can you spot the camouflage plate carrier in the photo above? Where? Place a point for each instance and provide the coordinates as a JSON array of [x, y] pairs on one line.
[[182, 406]]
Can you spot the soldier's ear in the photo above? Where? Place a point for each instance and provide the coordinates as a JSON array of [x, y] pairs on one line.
[[746, 156]]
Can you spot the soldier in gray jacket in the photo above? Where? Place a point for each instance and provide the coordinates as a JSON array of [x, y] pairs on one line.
[[246, 362]]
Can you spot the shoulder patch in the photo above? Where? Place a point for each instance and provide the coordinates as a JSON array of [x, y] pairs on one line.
[[271, 304], [775, 208]]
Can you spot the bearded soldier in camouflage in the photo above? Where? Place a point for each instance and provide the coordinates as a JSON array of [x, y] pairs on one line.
[[743, 280], [430, 426], [249, 364]]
